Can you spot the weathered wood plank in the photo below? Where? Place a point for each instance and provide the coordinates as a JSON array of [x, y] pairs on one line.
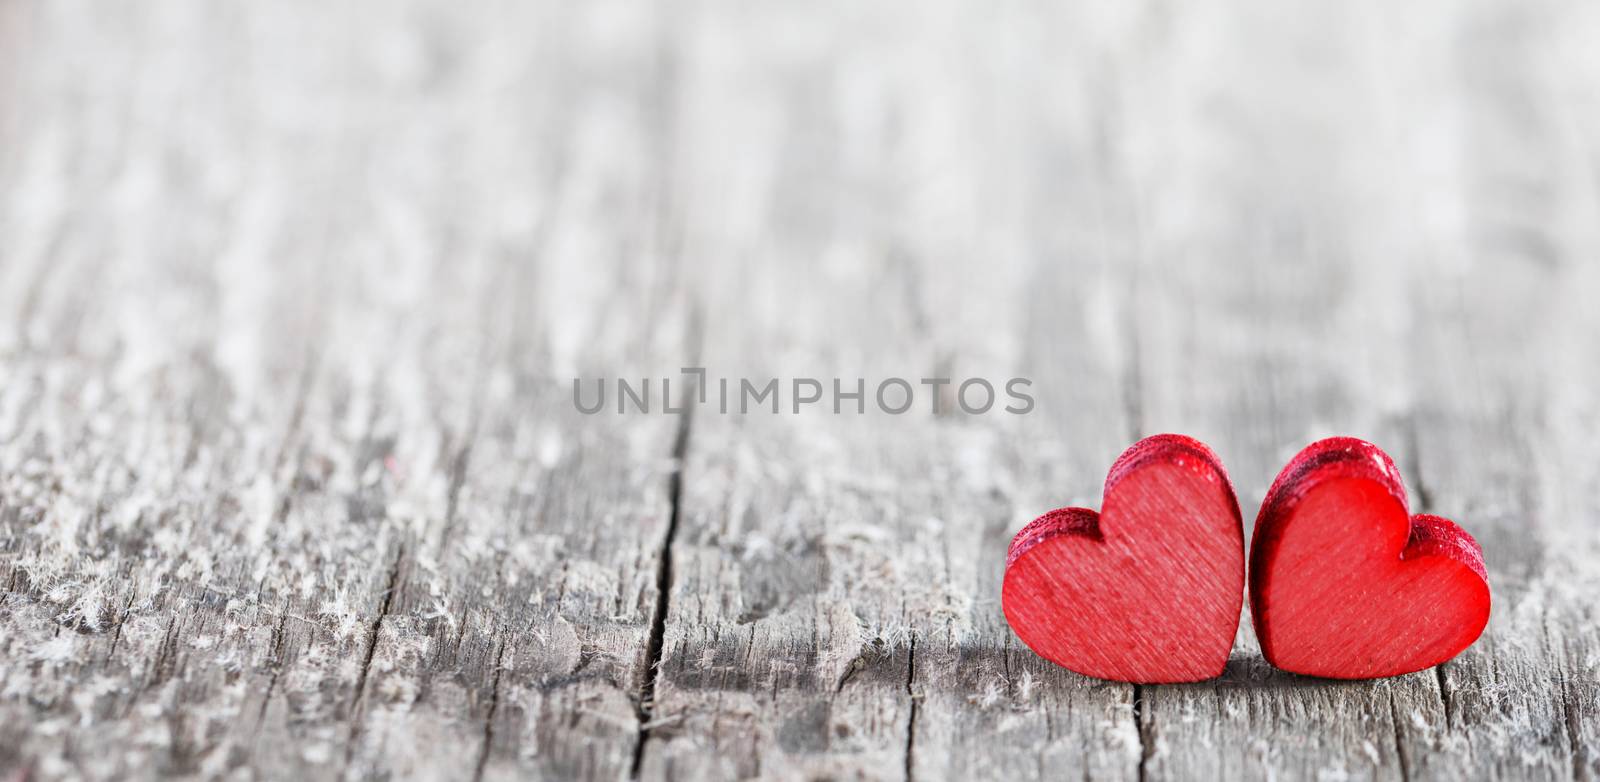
[[153, 429], [291, 484], [251, 358], [532, 604]]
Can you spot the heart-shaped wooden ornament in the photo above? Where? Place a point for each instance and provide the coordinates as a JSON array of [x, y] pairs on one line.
[[1149, 589], [1346, 584]]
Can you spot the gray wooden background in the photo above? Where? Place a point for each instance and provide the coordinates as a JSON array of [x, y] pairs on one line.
[[292, 295]]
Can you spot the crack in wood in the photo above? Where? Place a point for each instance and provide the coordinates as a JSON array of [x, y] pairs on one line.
[[279, 642], [459, 463], [1446, 700], [494, 710], [911, 720], [165, 660], [122, 619], [1144, 729], [658, 620], [358, 704], [1399, 743], [297, 413], [458, 478], [855, 666], [1575, 740]]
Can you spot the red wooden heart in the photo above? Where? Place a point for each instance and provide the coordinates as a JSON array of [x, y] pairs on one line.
[[1345, 583], [1149, 589]]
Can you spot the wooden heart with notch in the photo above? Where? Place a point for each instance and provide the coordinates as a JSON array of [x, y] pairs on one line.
[[1345, 583], [1147, 590]]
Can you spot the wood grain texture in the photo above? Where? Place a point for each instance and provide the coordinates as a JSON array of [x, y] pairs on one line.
[[1347, 583], [1149, 589], [292, 295]]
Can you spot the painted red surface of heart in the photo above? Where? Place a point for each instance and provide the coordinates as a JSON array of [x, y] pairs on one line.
[[1148, 589], [1345, 583]]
